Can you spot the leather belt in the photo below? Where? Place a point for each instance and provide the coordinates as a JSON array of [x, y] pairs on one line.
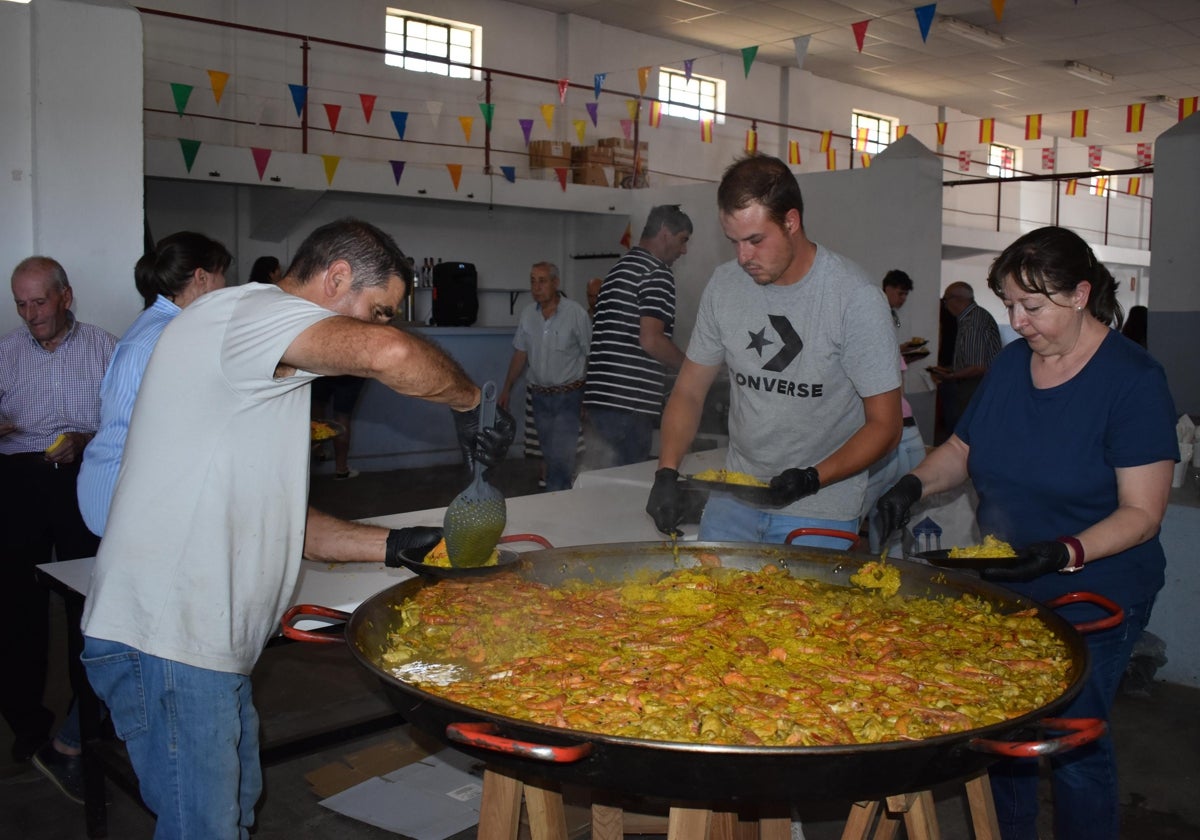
[[910, 421], [557, 389]]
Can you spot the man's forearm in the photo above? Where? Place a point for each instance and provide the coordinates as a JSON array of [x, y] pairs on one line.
[[418, 368], [328, 539]]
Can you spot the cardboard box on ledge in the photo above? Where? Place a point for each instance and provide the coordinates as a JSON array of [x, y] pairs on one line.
[[602, 155], [549, 154], [594, 174]]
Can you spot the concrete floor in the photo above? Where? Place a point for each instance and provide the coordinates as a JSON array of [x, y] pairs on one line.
[[305, 688]]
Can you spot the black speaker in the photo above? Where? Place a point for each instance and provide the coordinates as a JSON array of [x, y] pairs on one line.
[[455, 294]]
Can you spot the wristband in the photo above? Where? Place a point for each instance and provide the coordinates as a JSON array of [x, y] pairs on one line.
[[1075, 565]]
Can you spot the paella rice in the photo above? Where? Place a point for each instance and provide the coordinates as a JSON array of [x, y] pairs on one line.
[[730, 477], [990, 547], [725, 656]]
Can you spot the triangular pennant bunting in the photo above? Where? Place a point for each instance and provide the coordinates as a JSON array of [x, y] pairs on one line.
[[189, 149], [368, 106], [580, 128], [801, 46], [526, 127], [748, 54], [631, 107], [687, 69], [998, 9], [434, 107], [563, 84], [627, 129], [643, 78], [397, 170], [181, 94], [593, 110], [655, 113], [561, 172], [488, 110], [218, 79], [400, 120], [598, 83], [331, 164], [261, 158], [548, 114], [332, 112], [299, 96], [925, 18], [509, 173], [455, 170], [860, 32], [467, 123], [941, 133]]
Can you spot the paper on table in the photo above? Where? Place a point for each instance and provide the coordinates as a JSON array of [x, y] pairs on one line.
[[431, 799]]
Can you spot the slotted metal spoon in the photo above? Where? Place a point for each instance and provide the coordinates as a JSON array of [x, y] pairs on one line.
[[475, 519]]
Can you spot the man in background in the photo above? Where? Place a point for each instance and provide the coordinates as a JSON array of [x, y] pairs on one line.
[[631, 343], [50, 374], [976, 345], [204, 540], [593, 294], [552, 338]]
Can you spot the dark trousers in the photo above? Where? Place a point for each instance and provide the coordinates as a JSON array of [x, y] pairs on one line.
[[39, 521]]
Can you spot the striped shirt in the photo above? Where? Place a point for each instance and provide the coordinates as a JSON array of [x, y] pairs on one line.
[[620, 374], [977, 341], [47, 394], [102, 458]]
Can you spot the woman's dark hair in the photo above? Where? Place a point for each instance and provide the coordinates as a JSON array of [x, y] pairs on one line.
[[261, 271], [1136, 323], [760, 179], [1054, 260], [170, 268]]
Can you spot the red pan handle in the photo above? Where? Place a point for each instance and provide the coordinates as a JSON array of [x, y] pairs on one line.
[[533, 538], [822, 532], [1082, 731], [297, 635], [483, 735], [1115, 614]]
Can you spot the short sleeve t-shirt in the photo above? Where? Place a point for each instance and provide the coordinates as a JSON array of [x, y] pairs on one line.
[[206, 531], [801, 359]]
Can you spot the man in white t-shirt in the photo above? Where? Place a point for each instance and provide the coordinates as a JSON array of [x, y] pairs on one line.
[[813, 367], [209, 517]]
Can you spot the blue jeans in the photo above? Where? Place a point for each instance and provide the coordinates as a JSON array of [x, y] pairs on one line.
[[192, 736], [1086, 805], [557, 419], [616, 438], [725, 518]]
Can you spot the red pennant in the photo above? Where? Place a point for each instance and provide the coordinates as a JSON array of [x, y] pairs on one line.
[[261, 158], [333, 112], [561, 172], [368, 105], [860, 32]]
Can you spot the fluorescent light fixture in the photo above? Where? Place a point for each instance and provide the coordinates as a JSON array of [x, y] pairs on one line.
[[972, 32], [18, 1], [1082, 71]]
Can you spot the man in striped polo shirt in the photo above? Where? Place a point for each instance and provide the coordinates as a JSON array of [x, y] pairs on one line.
[[976, 345], [631, 343]]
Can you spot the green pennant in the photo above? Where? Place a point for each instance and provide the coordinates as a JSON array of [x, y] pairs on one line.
[[748, 54], [488, 110], [189, 147], [181, 93]]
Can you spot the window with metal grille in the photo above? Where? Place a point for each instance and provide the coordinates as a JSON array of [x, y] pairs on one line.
[[1002, 161], [871, 133], [697, 98], [425, 44]]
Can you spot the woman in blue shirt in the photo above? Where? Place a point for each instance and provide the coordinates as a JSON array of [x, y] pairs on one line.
[[1070, 442]]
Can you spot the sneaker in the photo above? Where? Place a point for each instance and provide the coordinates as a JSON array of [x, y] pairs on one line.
[[342, 476], [541, 484], [66, 771]]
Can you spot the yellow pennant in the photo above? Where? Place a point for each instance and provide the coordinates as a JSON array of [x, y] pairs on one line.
[[794, 152], [631, 106], [706, 131], [826, 138], [643, 77], [218, 80], [331, 164], [455, 170], [941, 133], [467, 123], [580, 128], [548, 114]]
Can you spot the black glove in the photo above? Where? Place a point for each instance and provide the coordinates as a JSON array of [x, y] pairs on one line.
[[402, 539], [488, 446], [1039, 559], [794, 484], [665, 504], [893, 506]]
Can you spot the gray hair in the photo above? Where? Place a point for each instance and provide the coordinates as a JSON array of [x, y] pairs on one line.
[[51, 267]]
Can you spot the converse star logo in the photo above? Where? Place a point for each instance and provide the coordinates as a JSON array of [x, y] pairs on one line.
[[759, 340]]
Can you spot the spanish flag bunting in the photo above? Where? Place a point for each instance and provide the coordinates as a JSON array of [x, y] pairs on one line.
[[548, 114], [331, 164], [860, 32], [455, 170], [866, 160], [397, 170], [964, 161], [751, 141], [826, 139], [627, 236], [1071, 185], [987, 130], [1144, 155], [261, 158], [794, 152], [189, 149], [1094, 153], [218, 80], [561, 172], [1033, 127], [655, 113], [1135, 117], [367, 100], [526, 128], [1135, 185], [1101, 185], [563, 84], [332, 112], [643, 78], [860, 140], [1048, 158], [748, 54], [580, 128], [181, 94], [631, 108], [706, 131], [831, 158], [941, 133], [1187, 106], [488, 110], [1079, 123], [901, 131], [467, 124], [627, 129]]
